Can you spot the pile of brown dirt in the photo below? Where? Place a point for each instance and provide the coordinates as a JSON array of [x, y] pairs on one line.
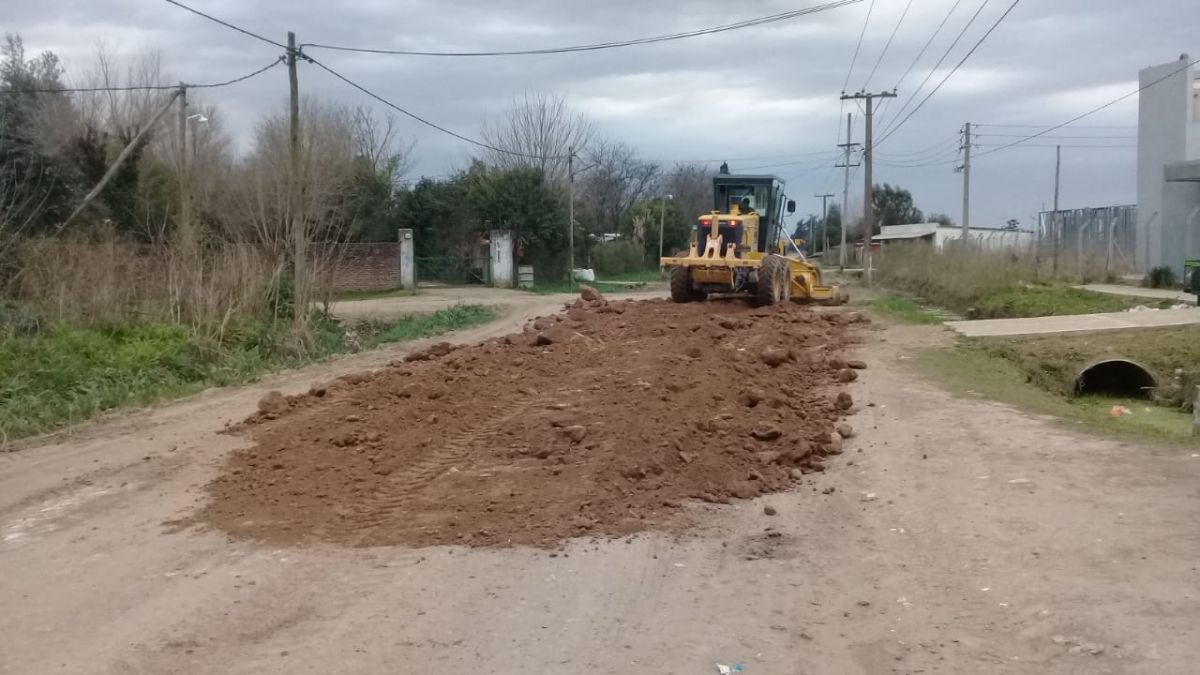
[[598, 421]]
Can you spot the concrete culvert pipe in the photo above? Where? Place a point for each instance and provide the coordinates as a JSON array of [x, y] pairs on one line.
[[1120, 378]]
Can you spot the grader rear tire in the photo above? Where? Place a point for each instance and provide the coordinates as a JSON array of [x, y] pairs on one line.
[[681, 284], [771, 279]]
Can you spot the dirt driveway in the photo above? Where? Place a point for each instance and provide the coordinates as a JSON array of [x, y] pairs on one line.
[[965, 537]]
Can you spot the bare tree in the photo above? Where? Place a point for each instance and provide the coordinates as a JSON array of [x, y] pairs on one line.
[[539, 130], [378, 141], [618, 179], [691, 185]]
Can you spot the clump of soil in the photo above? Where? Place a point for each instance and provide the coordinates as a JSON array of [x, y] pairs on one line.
[[599, 421]]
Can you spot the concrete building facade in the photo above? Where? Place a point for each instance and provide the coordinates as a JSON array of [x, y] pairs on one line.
[[1168, 173]]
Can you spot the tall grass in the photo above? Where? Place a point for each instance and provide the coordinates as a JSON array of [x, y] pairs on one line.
[[990, 284]]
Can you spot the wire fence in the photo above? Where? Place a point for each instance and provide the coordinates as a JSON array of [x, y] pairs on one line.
[[1074, 236]]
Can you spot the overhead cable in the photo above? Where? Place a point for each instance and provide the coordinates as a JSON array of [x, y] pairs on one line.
[[953, 70], [148, 87], [749, 23]]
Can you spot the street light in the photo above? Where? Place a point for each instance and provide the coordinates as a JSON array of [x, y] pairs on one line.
[[662, 218]]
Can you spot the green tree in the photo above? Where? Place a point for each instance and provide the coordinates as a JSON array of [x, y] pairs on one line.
[[522, 200], [941, 219], [894, 206], [34, 180], [641, 222]]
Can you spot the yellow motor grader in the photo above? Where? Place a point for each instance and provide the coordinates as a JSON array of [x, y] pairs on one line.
[[737, 249]]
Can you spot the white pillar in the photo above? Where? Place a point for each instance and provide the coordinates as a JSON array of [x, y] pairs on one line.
[[502, 258], [408, 277]]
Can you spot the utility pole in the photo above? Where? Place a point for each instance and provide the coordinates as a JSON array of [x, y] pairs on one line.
[[571, 212], [868, 209], [662, 221], [849, 147], [1057, 169], [824, 218], [185, 196], [966, 168], [299, 236]]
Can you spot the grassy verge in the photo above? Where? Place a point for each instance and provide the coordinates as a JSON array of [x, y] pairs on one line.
[[346, 296], [992, 285], [438, 323], [1054, 300], [68, 374], [903, 309], [1036, 374]]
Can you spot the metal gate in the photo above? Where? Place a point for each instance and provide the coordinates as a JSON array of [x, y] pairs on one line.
[[454, 270]]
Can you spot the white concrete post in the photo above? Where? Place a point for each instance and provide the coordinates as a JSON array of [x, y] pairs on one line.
[[408, 276], [1196, 412], [502, 258]]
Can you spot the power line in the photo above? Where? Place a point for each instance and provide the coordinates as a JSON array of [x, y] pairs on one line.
[[951, 140], [214, 19], [1096, 137], [937, 31], [887, 131], [1076, 126], [760, 21], [418, 118], [1065, 145], [870, 8], [151, 87], [895, 128], [887, 45], [1095, 110]]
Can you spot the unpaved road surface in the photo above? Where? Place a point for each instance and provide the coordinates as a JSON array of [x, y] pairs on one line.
[[953, 536]]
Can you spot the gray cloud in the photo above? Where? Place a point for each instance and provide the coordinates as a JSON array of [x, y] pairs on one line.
[[769, 92]]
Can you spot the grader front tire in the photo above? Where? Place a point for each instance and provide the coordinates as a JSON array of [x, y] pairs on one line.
[[771, 279], [681, 284]]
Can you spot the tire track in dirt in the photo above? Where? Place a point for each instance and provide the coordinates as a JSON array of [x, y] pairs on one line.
[[401, 488]]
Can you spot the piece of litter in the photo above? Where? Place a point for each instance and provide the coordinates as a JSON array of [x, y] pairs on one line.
[[902, 600], [726, 670], [870, 497], [1120, 411], [1019, 481], [985, 589], [680, 565], [1004, 604]]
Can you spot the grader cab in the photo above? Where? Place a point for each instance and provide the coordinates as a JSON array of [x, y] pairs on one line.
[[739, 249]]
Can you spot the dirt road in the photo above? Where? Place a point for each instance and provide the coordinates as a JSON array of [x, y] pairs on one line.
[[965, 537]]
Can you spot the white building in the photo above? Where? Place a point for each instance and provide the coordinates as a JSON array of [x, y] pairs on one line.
[[939, 235], [1168, 228]]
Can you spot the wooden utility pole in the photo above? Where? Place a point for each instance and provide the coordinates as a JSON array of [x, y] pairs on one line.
[[868, 208], [571, 212], [299, 236], [848, 147], [824, 218], [112, 170], [966, 214], [185, 194], [1057, 167]]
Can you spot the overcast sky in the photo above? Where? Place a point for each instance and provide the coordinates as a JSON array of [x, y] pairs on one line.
[[766, 98]]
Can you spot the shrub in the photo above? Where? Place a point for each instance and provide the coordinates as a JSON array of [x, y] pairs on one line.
[[618, 257], [1162, 276]]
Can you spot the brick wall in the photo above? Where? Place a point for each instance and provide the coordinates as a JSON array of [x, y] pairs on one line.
[[367, 267]]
